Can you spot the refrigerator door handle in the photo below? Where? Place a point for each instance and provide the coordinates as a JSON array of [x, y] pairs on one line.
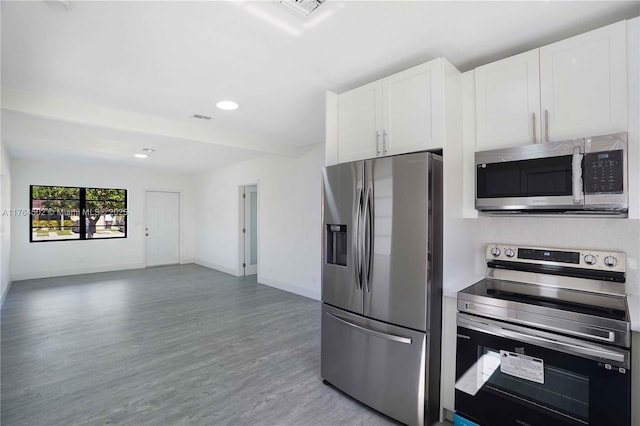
[[357, 253], [368, 243], [392, 337]]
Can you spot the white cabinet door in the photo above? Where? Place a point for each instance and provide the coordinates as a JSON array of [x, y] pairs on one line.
[[508, 102], [360, 122], [412, 102], [583, 84]]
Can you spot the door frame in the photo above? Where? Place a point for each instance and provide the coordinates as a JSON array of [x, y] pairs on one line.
[[144, 221], [241, 248]]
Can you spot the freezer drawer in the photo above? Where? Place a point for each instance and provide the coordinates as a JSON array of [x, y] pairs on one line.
[[379, 364]]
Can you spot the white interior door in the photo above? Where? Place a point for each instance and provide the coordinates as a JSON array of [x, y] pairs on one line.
[[162, 228], [250, 228]]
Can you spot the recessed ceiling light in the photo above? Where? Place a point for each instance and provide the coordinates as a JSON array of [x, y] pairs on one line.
[[140, 155], [227, 105]]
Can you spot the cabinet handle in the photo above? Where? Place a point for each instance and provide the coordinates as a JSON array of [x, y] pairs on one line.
[[546, 125], [384, 141], [533, 124], [377, 142]]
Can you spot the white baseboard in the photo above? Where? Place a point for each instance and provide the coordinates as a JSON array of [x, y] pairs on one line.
[[76, 271], [4, 295], [217, 267], [302, 291]]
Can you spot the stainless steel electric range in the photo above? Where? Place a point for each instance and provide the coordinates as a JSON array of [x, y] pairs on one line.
[[545, 339]]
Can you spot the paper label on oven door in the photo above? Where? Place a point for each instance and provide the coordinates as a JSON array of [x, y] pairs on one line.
[[522, 366]]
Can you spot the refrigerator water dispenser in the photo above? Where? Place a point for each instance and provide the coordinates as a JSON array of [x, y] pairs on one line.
[[336, 244]]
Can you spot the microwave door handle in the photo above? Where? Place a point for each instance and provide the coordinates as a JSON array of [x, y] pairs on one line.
[[577, 189]]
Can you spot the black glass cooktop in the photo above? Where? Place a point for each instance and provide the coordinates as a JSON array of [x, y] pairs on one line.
[[602, 305]]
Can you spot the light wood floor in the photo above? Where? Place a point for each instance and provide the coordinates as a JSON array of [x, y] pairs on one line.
[[163, 346]]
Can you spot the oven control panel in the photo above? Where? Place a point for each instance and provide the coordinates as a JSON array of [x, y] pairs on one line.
[[585, 259]]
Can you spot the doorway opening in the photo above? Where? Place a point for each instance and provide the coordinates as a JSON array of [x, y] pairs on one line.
[[249, 229]]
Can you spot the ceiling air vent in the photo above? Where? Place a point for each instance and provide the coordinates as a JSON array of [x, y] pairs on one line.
[[201, 117], [302, 7]]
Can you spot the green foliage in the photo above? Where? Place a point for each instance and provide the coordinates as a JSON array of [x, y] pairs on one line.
[[42, 233], [40, 223], [53, 224], [99, 194], [57, 197], [68, 223], [101, 200], [65, 232], [55, 193], [64, 200]]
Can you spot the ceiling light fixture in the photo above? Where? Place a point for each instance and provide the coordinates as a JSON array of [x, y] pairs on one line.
[[148, 149], [140, 155], [227, 105]]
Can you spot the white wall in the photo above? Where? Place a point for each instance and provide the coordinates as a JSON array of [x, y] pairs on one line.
[[36, 260], [5, 222], [458, 232], [633, 111], [289, 219]]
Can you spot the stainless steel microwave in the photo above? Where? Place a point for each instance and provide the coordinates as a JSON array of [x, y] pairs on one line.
[[580, 176]]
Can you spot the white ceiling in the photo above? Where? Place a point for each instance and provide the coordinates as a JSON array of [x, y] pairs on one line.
[[161, 62]]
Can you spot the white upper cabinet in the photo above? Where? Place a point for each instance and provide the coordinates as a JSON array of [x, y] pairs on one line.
[[569, 89], [583, 84], [410, 100], [398, 114], [508, 102], [360, 122]]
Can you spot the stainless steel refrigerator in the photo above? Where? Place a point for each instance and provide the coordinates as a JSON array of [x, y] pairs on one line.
[[382, 283]]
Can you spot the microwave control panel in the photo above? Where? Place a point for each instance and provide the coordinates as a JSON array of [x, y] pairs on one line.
[[603, 172]]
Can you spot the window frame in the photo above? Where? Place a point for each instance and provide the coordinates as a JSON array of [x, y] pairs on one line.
[[82, 209]]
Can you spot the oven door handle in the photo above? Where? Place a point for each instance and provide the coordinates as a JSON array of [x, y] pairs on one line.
[[608, 336], [572, 348]]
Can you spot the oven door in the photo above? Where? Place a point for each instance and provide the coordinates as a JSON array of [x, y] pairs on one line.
[[531, 177], [513, 375]]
